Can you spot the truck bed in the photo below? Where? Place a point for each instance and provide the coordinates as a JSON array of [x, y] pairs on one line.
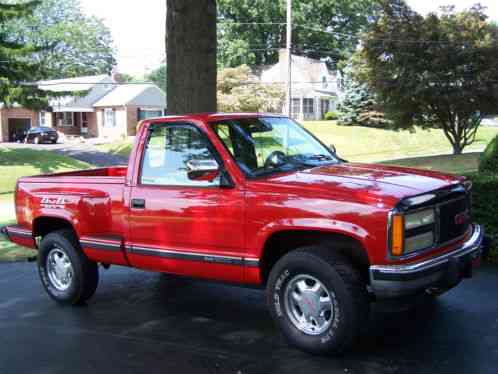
[[115, 174]]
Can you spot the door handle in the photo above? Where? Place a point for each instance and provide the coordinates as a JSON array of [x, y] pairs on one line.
[[138, 203]]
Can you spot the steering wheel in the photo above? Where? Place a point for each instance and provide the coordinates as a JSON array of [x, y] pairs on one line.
[[274, 159]]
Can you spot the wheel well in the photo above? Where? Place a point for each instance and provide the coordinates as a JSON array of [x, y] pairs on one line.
[[45, 225], [282, 242]]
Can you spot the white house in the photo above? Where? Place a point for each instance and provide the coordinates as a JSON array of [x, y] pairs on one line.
[[315, 88], [99, 107]]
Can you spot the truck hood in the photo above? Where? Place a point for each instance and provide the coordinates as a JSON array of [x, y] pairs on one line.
[[369, 183]]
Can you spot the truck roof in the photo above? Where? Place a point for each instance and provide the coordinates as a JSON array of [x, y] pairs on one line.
[[209, 117]]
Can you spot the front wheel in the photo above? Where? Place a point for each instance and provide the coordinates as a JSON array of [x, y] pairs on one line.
[[66, 273], [318, 299]]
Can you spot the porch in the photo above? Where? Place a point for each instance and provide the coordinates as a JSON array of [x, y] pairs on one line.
[[82, 123]]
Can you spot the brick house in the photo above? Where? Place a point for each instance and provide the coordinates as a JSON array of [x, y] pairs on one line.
[[98, 107], [315, 88], [15, 120]]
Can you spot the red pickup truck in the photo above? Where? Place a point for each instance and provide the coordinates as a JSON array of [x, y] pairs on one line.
[[256, 200]]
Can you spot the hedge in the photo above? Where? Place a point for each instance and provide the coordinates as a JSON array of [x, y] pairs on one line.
[[485, 206]]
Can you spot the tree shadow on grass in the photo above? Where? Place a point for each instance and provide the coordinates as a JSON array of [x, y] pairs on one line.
[[45, 161]]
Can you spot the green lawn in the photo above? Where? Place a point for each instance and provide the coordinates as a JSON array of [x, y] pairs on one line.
[[18, 163], [357, 143], [9, 251], [461, 164]]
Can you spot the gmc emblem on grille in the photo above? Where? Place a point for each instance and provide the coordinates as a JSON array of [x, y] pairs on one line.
[[461, 218]]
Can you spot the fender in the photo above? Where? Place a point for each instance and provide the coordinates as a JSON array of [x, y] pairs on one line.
[[309, 224]]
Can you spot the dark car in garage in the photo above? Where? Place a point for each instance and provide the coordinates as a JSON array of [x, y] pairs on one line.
[[37, 135]]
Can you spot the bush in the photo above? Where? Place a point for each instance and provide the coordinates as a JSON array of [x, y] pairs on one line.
[[330, 116], [485, 206], [489, 159]]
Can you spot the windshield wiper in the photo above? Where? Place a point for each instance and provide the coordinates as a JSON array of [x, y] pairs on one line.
[[320, 157], [287, 165]]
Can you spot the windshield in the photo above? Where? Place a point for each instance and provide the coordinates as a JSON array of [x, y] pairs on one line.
[[267, 145]]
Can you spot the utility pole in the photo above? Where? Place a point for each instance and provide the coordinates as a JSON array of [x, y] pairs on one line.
[[289, 58]]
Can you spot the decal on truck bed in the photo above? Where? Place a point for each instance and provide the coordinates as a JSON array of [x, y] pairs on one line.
[[53, 202]]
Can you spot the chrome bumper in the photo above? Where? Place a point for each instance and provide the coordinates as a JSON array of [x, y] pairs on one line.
[[444, 271]]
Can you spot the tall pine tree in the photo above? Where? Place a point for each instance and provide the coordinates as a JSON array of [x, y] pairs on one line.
[[16, 62], [359, 105]]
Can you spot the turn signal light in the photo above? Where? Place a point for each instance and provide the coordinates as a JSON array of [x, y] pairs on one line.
[[397, 235]]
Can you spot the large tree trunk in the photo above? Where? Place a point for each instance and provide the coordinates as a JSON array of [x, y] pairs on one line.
[[191, 55]]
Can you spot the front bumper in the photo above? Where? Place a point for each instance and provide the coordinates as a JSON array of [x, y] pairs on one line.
[[441, 272]]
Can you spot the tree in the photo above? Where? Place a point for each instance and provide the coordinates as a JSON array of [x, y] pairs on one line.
[[16, 59], [434, 72], [359, 105], [252, 31], [239, 91], [73, 44], [158, 76], [191, 55]]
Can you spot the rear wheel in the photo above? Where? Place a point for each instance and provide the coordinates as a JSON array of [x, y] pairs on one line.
[[318, 299], [66, 273]]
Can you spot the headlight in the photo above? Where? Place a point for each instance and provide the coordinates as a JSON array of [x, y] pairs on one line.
[[412, 232], [422, 218]]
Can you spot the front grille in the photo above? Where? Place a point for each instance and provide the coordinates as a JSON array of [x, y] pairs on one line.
[[454, 219]]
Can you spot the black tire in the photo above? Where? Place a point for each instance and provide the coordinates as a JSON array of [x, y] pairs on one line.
[[85, 273], [347, 291]]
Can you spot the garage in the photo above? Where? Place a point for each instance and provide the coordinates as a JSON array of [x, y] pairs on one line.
[[17, 127]]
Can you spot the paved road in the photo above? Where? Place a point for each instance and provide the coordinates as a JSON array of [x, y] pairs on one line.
[[83, 152], [142, 322]]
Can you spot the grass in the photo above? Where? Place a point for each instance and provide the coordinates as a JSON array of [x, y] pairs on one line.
[[357, 143], [452, 164], [16, 163], [9, 251]]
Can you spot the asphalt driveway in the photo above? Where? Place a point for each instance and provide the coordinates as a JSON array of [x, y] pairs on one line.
[[142, 322]]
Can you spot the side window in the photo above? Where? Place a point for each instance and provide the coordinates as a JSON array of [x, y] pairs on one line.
[[168, 153]]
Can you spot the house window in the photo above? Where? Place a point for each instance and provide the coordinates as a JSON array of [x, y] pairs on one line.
[[325, 106], [109, 117], [42, 120], [308, 106], [149, 113], [65, 119], [324, 82], [296, 107]]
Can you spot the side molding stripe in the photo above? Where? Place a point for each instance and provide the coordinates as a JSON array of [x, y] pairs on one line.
[[105, 246], [191, 256]]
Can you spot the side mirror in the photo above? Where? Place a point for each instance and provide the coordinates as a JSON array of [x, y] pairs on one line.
[[332, 148], [202, 170]]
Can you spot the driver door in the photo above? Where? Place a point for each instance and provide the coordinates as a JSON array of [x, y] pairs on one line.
[[183, 223]]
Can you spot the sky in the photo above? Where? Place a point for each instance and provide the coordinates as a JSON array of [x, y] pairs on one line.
[[138, 27]]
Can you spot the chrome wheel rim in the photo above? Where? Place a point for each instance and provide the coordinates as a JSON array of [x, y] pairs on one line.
[[59, 269], [309, 304]]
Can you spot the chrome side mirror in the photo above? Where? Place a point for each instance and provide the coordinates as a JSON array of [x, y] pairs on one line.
[[332, 149], [202, 170]]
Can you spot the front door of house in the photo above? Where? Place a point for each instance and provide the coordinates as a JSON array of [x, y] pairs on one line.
[[324, 106]]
